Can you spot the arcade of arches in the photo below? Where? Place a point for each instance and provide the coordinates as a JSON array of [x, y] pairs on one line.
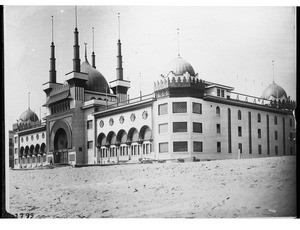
[[131, 143], [32, 156]]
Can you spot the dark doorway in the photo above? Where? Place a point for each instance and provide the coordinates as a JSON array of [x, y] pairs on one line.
[[60, 146]]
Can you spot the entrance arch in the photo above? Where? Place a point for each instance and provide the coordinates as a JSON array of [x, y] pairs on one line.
[[58, 125], [60, 146], [60, 139]]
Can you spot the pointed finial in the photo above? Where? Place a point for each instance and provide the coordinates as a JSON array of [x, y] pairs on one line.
[[93, 39], [119, 25], [178, 42], [28, 100], [273, 70], [75, 16], [85, 54], [52, 28]]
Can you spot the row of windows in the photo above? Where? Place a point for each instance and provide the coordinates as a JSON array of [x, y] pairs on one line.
[[179, 107], [180, 127], [258, 132], [31, 137], [180, 146], [220, 93], [63, 106]]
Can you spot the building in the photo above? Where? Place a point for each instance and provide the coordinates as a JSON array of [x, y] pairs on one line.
[[92, 121], [11, 148]]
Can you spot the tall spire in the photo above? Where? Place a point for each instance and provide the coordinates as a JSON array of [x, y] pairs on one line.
[[273, 69], [119, 57], [85, 51], [52, 72], [76, 60], [28, 100], [93, 53], [178, 50]]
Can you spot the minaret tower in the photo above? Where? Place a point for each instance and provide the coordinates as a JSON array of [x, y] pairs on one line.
[[47, 87], [52, 72], [76, 60], [93, 53], [120, 86], [77, 79]]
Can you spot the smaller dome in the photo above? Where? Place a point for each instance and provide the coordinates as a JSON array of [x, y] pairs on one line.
[[179, 66], [96, 81], [28, 115], [274, 91]]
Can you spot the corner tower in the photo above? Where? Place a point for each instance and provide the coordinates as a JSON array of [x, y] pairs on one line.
[[120, 86]]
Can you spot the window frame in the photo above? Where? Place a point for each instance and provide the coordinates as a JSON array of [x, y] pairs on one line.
[[180, 122], [178, 102], [177, 142], [201, 127], [159, 147], [159, 108], [201, 146]]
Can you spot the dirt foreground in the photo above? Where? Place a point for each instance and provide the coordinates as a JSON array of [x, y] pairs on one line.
[[261, 187]]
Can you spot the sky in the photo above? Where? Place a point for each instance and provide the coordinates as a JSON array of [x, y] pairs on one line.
[[234, 46]]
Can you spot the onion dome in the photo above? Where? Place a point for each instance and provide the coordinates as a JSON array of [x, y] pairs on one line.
[[179, 66], [96, 81], [27, 116], [274, 92]]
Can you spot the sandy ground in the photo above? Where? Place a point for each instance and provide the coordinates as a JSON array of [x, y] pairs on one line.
[[262, 187]]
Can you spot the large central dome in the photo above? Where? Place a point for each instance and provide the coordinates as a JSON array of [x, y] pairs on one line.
[[96, 81], [179, 66]]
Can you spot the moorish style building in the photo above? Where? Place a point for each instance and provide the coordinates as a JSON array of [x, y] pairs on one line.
[[91, 121]]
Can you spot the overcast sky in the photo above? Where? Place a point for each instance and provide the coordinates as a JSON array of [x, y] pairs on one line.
[[221, 43]]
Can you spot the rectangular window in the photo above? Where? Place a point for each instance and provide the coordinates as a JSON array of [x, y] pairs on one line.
[[163, 109], [179, 127], [241, 147], [218, 128], [276, 150], [89, 144], [276, 135], [259, 133], [197, 127], [239, 131], [163, 128], [197, 108], [259, 149], [222, 93], [89, 124], [275, 120], [179, 107], [198, 146], [218, 92], [16, 150], [16, 139], [163, 147], [180, 146], [218, 147]]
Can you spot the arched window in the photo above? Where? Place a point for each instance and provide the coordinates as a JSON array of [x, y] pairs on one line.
[[258, 118], [218, 112], [239, 115]]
